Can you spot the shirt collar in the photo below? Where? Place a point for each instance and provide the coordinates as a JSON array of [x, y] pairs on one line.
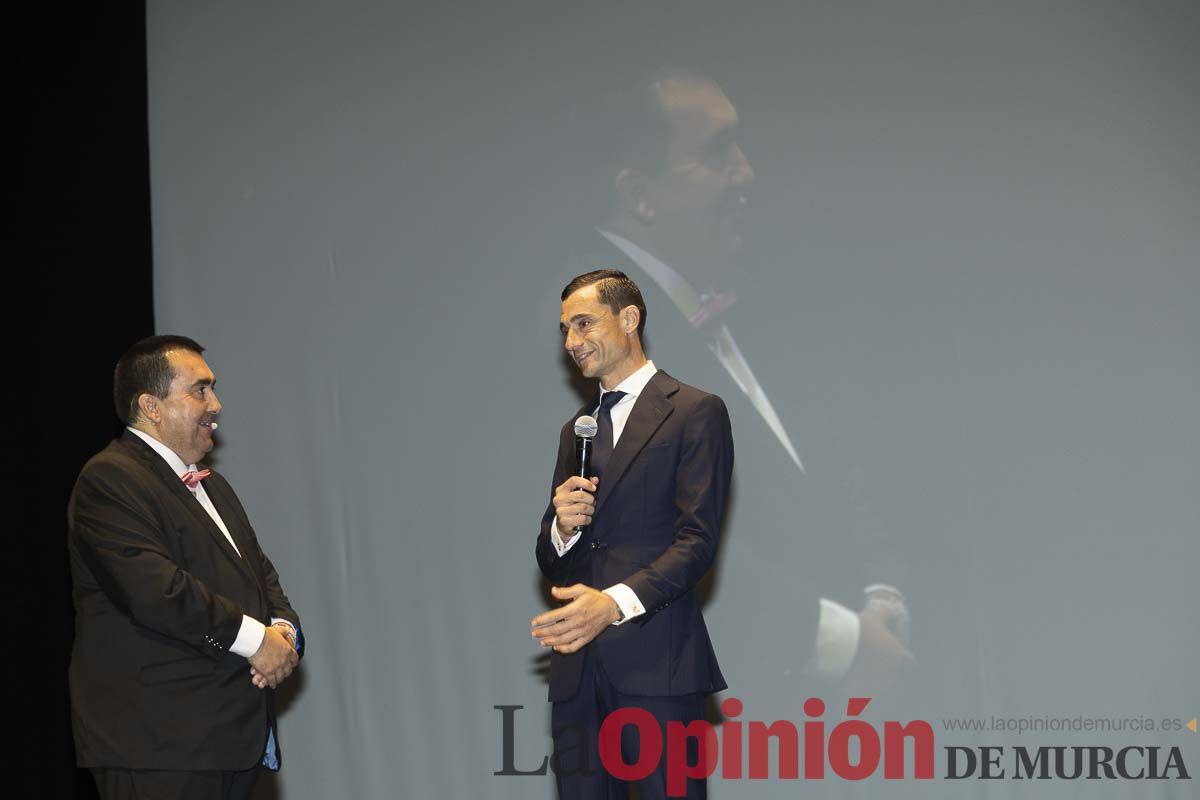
[[635, 383], [168, 455], [682, 294]]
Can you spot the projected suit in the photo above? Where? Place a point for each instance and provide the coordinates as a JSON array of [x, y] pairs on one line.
[[770, 555]]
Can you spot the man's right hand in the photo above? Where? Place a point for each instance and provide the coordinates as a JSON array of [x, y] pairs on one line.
[[574, 503], [882, 662], [273, 661]]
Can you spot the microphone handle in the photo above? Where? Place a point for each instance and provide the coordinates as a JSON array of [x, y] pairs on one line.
[[583, 457]]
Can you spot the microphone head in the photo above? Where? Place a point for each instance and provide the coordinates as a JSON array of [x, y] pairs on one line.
[[585, 427]]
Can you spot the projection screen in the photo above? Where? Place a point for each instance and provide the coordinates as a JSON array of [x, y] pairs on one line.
[[967, 285]]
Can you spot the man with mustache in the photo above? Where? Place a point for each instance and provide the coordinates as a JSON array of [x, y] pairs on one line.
[[182, 630], [676, 182]]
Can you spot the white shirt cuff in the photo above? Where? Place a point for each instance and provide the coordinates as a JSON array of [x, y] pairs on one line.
[[837, 640], [249, 637], [626, 600], [885, 588], [556, 539]]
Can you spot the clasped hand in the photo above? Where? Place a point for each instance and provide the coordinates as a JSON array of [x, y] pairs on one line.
[[274, 660]]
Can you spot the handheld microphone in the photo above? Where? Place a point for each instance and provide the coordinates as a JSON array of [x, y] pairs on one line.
[[585, 432]]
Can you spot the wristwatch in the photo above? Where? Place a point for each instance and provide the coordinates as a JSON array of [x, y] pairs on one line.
[[288, 632]]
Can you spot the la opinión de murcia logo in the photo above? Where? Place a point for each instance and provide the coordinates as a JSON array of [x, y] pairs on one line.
[[737, 749], [1131, 763]]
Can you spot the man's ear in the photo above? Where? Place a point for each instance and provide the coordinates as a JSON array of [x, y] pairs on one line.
[[148, 403], [632, 196], [630, 317]]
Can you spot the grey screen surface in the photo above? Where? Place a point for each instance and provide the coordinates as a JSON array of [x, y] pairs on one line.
[[970, 287]]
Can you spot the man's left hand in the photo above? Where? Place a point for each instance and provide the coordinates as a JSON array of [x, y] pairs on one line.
[[570, 627], [274, 660]]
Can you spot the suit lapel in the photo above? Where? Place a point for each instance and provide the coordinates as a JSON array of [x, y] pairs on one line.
[[177, 488], [651, 409], [220, 500]]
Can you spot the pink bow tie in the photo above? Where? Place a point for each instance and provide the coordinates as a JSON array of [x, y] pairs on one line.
[[711, 307], [192, 479]]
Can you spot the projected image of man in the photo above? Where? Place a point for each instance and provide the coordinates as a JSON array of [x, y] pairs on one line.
[[675, 192]]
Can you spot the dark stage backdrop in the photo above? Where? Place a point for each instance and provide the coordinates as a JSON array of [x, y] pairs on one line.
[[968, 285], [86, 213]]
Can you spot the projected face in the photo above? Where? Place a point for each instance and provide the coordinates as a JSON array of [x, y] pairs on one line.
[[184, 418], [694, 206], [602, 343]]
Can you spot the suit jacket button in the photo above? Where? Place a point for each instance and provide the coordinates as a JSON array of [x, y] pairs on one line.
[[595, 545]]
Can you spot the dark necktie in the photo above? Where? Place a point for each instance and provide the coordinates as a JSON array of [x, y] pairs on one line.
[[602, 447]]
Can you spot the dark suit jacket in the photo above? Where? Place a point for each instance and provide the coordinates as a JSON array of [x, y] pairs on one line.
[[159, 598], [656, 528]]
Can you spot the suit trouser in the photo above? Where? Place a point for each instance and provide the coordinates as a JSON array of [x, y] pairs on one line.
[[150, 784], [575, 725]]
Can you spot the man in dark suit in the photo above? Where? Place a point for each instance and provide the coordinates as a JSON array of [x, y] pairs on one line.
[[631, 633], [182, 628]]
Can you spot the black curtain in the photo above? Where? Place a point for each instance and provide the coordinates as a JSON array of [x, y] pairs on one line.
[[86, 186]]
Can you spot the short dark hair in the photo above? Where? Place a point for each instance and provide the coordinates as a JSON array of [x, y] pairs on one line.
[[616, 290], [623, 124], [144, 369], [640, 129]]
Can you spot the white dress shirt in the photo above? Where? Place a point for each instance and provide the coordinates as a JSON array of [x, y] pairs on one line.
[[837, 626], [250, 635], [728, 354], [625, 598]]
